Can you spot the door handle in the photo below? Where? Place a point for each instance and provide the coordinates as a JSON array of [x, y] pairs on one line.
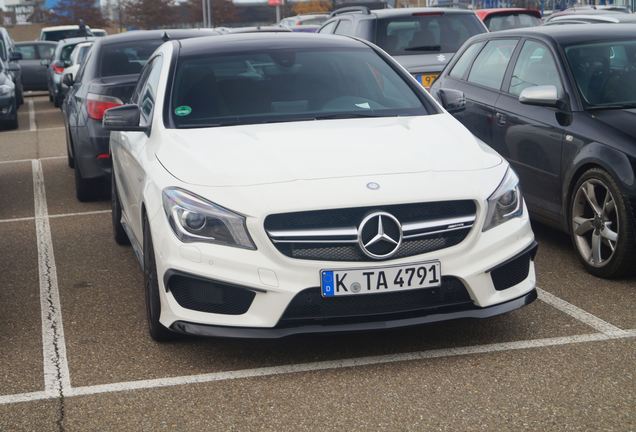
[[501, 119]]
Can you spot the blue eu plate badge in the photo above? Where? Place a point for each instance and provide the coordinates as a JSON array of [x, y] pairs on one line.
[[327, 283]]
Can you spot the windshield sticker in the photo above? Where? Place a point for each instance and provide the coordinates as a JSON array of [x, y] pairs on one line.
[[363, 105], [182, 110]]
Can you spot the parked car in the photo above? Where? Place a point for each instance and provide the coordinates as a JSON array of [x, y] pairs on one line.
[[78, 55], [59, 62], [8, 99], [308, 23], [99, 32], [422, 40], [322, 234], [611, 18], [106, 79], [57, 33], [36, 56], [587, 10], [10, 57], [559, 103], [509, 18]]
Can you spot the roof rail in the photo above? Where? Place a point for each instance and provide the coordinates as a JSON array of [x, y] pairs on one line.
[[350, 9]]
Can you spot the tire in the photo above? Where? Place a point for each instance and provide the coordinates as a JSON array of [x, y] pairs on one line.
[[121, 238], [12, 123], [57, 101], [70, 159], [50, 97], [20, 96], [151, 287], [85, 189], [602, 225]]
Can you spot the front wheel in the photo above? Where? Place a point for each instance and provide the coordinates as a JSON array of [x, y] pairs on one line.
[[153, 304], [602, 225], [121, 238]]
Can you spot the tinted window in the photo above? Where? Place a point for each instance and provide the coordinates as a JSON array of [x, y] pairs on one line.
[[511, 21], [345, 28], [287, 85], [65, 53], [126, 58], [28, 52], [535, 66], [462, 65], [58, 35], [491, 63], [329, 27], [426, 33], [605, 73], [46, 51]]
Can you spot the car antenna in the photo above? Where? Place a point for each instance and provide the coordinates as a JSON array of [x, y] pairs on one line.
[[165, 37]]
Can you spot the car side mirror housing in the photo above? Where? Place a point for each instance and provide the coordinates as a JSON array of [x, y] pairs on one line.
[[68, 80], [15, 56], [124, 118], [542, 95], [453, 101]]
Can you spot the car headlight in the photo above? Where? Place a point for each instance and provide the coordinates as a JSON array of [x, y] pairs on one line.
[[5, 89], [194, 219], [506, 201]]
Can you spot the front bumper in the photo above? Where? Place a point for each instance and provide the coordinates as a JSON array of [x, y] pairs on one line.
[[276, 280], [275, 333]]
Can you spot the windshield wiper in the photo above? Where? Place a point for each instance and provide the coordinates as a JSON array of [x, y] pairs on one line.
[[347, 115], [424, 48]]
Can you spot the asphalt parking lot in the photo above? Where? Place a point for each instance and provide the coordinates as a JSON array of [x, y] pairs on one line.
[[76, 356]]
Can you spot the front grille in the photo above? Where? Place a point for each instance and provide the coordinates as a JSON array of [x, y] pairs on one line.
[[209, 296], [512, 272], [331, 235], [309, 307]]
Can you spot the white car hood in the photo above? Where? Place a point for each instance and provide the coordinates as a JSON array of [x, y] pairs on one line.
[[284, 152]]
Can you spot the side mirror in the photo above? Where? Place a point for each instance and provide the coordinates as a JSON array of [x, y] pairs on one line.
[[543, 95], [15, 56], [68, 80], [452, 100], [123, 118]]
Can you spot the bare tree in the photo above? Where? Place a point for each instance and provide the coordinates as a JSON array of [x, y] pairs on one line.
[[150, 14], [223, 12]]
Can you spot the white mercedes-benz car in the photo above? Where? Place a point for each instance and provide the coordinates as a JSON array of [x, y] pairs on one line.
[[275, 184]]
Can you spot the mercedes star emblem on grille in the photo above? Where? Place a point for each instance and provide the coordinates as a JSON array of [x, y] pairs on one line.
[[380, 235]]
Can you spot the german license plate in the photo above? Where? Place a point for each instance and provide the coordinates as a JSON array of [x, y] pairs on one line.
[[426, 79], [381, 279]]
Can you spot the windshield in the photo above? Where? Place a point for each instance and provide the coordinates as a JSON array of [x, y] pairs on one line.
[[426, 32], [512, 21], [57, 35], [126, 58], [288, 85], [605, 73]]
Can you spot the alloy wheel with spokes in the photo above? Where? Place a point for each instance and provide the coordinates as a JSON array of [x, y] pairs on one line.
[[595, 222], [602, 225]]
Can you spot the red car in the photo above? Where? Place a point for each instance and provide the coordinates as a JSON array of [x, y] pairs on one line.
[[509, 18]]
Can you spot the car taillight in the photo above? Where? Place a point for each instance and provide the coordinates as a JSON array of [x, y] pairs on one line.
[[58, 68], [97, 104]]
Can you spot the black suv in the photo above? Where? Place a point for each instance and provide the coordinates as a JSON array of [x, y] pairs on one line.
[[560, 104], [423, 40]]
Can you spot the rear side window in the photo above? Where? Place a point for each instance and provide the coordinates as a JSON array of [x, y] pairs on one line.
[[426, 33], [329, 27], [345, 28], [28, 52], [464, 62], [126, 58], [490, 65]]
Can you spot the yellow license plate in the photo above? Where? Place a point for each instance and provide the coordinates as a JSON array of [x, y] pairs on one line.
[[427, 79]]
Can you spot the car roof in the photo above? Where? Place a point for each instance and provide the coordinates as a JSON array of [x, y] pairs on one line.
[[137, 35], [76, 40], [250, 41], [62, 27], [385, 13], [608, 17], [568, 34], [257, 29]]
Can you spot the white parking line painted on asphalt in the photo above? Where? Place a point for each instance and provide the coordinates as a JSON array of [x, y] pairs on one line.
[[579, 314], [327, 365], [30, 160], [32, 125], [56, 374], [23, 397], [61, 215], [33, 130]]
